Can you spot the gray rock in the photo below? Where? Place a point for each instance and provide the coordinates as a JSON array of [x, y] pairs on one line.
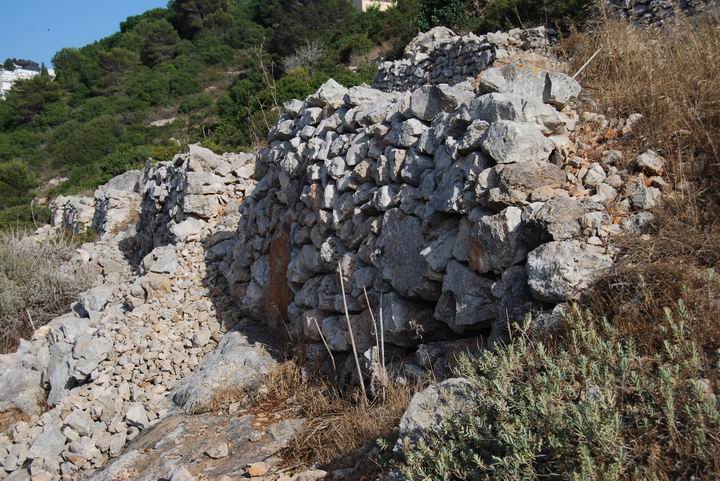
[[401, 263], [496, 242], [182, 474], [125, 182], [239, 362], [560, 271], [137, 416], [218, 451], [494, 107], [20, 388], [204, 183], [162, 261], [516, 79], [405, 320], [49, 444], [429, 101], [650, 162], [515, 182], [188, 230], [641, 196], [88, 353], [515, 297], [429, 408], [559, 219], [85, 448], [330, 94], [81, 422], [97, 298], [563, 89], [466, 298], [509, 142]]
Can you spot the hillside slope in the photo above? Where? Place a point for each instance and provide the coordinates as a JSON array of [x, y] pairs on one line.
[[210, 70]]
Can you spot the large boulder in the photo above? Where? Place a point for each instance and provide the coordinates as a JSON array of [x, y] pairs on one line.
[[239, 363], [466, 299], [20, 387], [509, 142], [560, 271], [402, 264]]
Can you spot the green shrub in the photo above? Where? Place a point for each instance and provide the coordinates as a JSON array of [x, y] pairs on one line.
[[23, 217], [590, 406], [490, 15], [16, 183]]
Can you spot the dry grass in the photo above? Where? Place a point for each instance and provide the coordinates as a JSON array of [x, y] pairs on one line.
[[672, 77], [337, 423], [33, 288], [10, 418]]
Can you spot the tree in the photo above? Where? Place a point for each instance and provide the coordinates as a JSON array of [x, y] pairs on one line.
[[449, 13], [29, 98], [160, 43], [9, 65], [188, 16], [116, 64], [16, 181]]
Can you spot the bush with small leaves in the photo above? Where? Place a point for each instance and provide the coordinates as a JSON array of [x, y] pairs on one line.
[[588, 406]]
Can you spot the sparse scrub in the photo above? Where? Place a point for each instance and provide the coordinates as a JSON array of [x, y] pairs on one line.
[[306, 56], [33, 289], [672, 77]]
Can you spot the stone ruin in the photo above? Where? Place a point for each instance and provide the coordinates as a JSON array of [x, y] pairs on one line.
[[460, 208], [657, 12], [442, 57]]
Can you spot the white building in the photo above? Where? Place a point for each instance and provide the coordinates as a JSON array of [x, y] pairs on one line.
[[9, 77], [363, 5]]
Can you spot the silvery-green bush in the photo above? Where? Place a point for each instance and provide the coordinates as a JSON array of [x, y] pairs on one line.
[[587, 406]]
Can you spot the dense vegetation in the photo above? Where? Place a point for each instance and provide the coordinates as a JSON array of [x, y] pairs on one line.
[[212, 69]]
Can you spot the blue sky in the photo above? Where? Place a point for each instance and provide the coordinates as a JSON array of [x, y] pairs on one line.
[[36, 29]]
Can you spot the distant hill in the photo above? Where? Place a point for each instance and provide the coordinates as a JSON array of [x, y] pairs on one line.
[[210, 71]]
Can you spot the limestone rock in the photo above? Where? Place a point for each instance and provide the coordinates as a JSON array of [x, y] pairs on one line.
[[429, 408], [510, 142], [559, 271], [238, 362]]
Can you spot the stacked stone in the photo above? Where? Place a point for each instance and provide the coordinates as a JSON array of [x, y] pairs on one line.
[[182, 196], [657, 12], [109, 213], [72, 213], [109, 372], [116, 206], [442, 57], [460, 210], [112, 367]]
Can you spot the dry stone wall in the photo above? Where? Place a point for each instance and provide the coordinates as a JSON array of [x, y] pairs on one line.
[[439, 56], [458, 208], [657, 12], [181, 196]]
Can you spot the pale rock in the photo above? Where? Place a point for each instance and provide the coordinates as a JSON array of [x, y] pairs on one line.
[[510, 142], [560, 271]]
